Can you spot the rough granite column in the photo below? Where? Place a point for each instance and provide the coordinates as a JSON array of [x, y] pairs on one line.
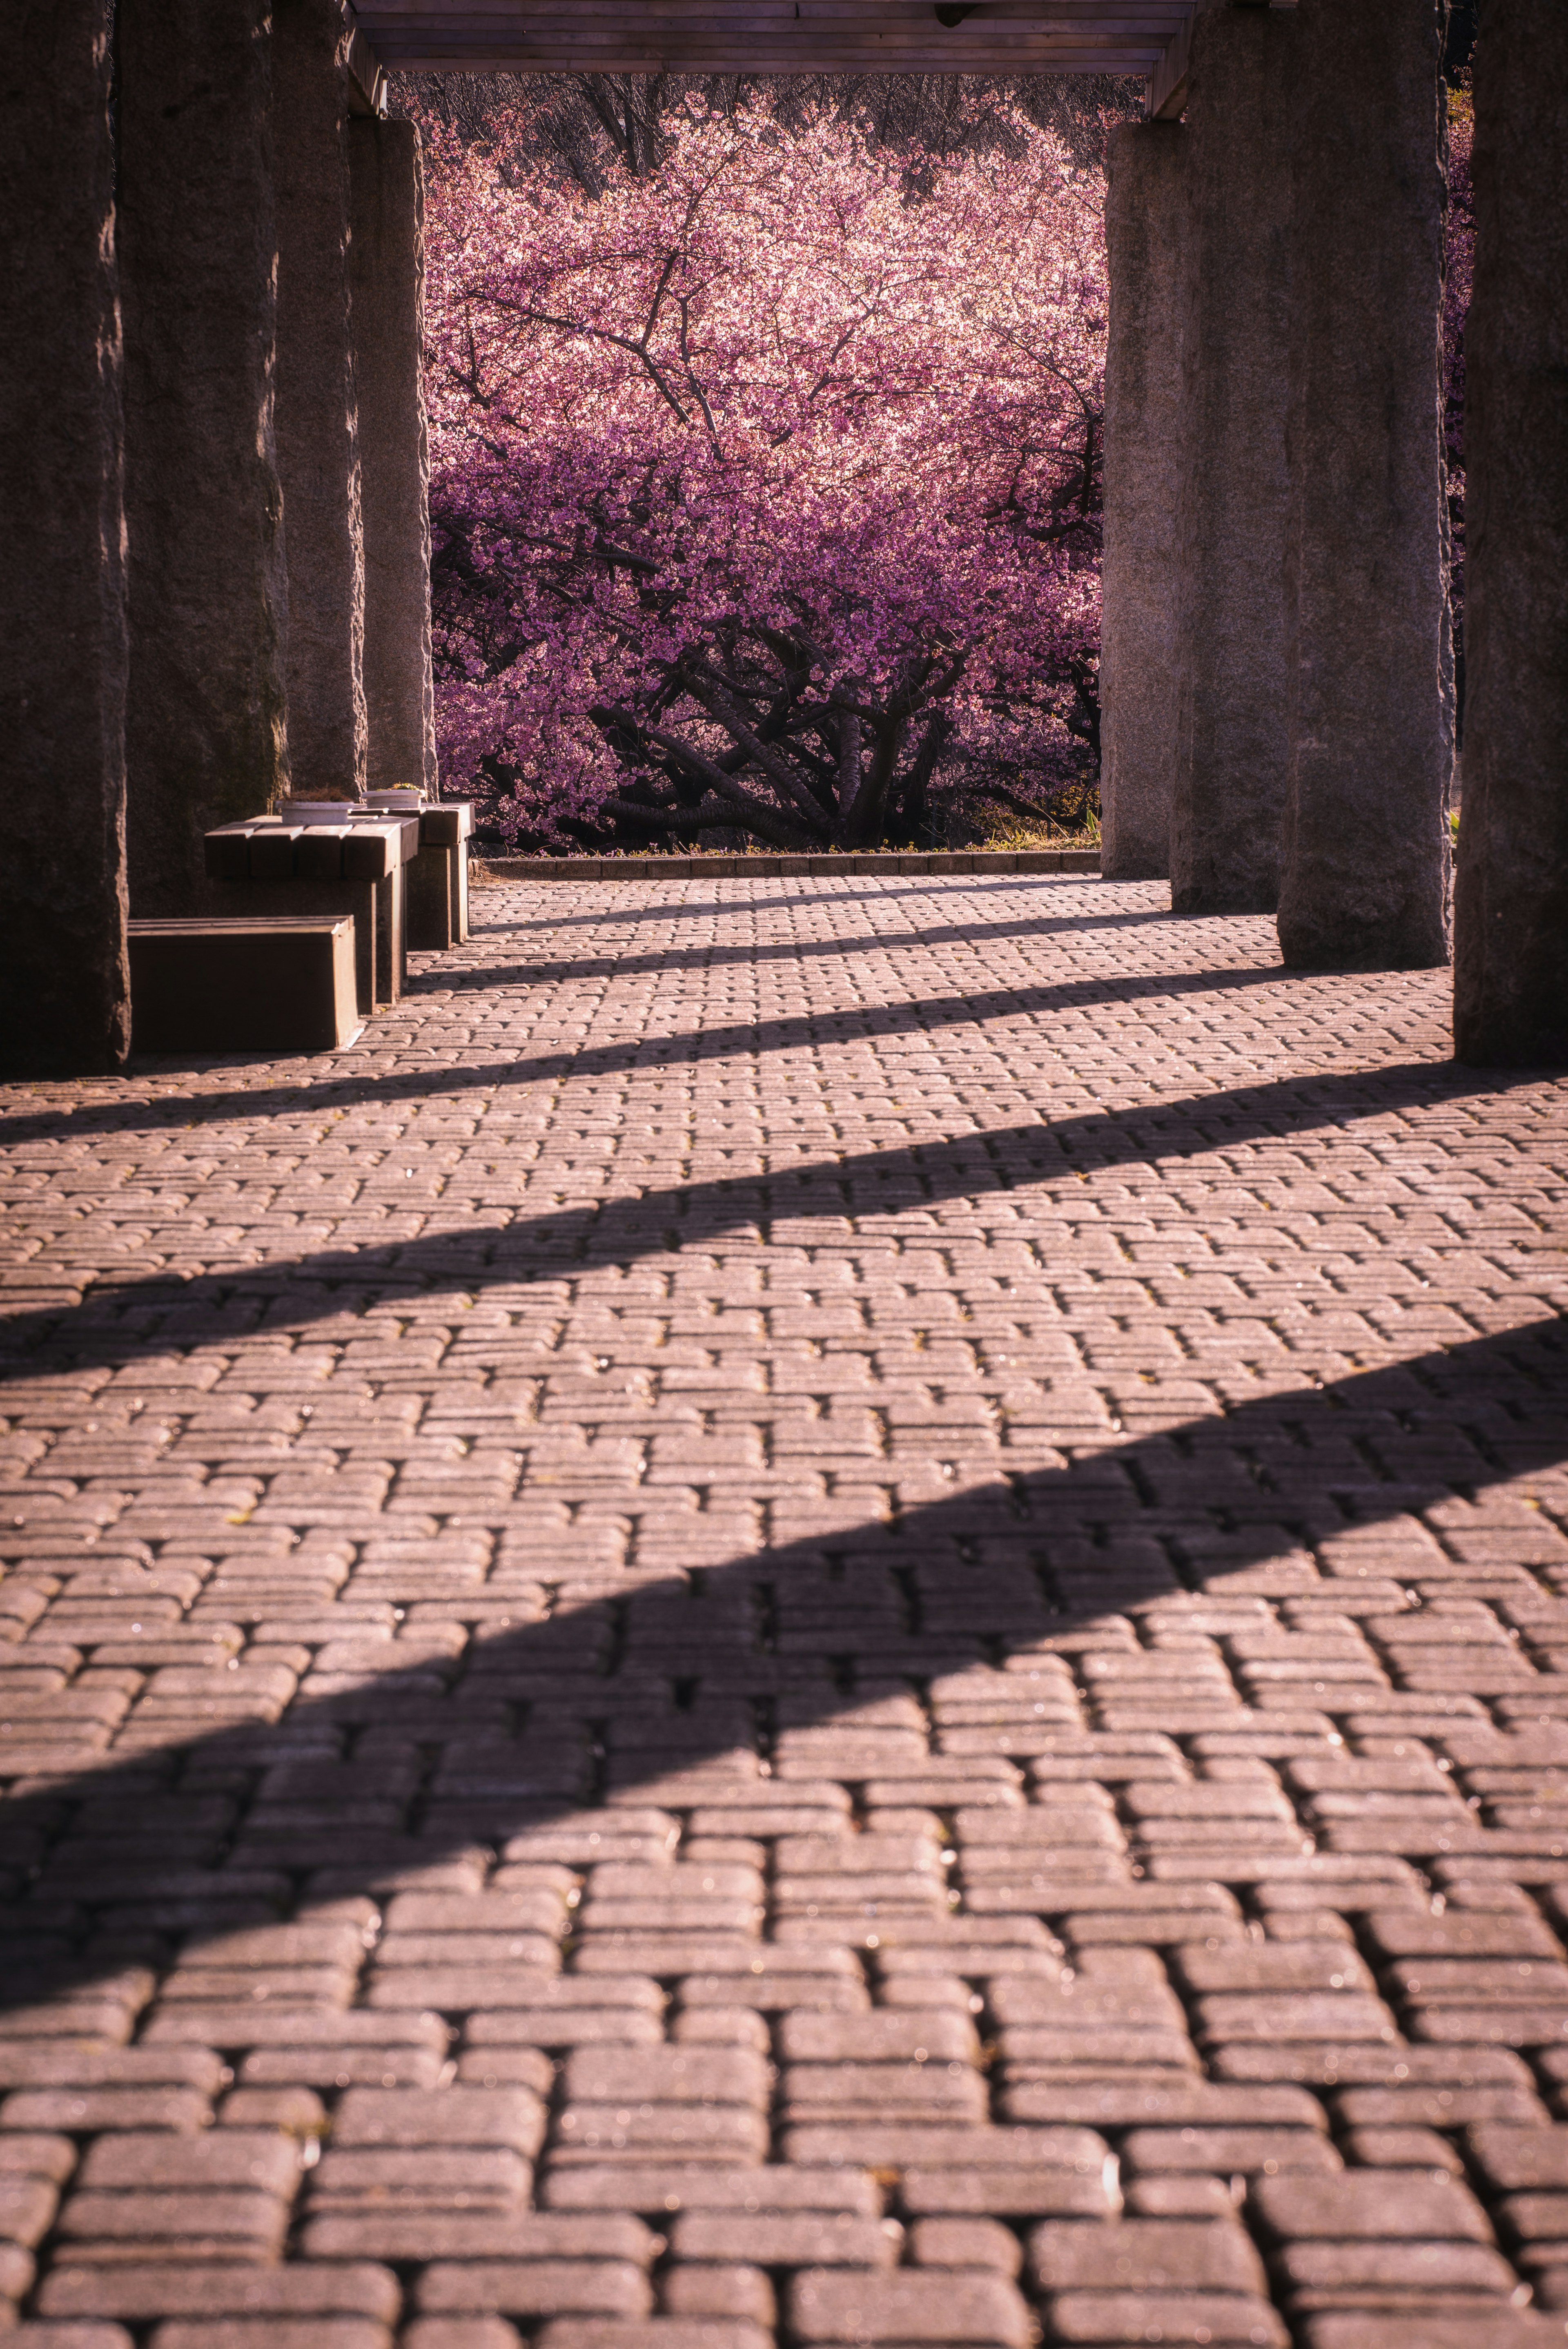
[[64, 980], [386, 276], [317, 422], [1365, 882], [1231, 718], [206, 738], [1510, 975], [1145, 213]]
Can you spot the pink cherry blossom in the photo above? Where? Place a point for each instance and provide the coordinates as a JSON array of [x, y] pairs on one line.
[[765, 488]]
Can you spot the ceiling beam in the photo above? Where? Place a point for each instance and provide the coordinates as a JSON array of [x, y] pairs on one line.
[[1168, 82], [618, 37], [366, 79]]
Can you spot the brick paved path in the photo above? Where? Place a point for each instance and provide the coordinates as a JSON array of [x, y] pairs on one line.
[[833, 1608]]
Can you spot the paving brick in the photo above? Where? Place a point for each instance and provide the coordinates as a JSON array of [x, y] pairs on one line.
[[719, 2289], [459, 2333], [1401, 2148], [536, 2287], [455, 2116], [145, 2161], [652, 2332], [1363, 2204], [1339, 2274], [27, 2206], [667, 2076], [465, 2178], [1437, 2107], [778, 2239], [1511, 2158], [1477, 2328], [915, 2091], [685, 2131], [1083, 2191], [964, 2306], [501, 2067], [68, 2335], [1231, 2151], [777, 1990], [898, 2144], [934, 2035], [272, 2333], [1147, 2254], [1535, 2217], [328, 2066], [1127, 2316], [92, 2109], [1179, 2194], [1300, 1966], [422, 2234], [662, 2187], [1129, 2098], [196, 2025], [137, 2291], [967, 2243]]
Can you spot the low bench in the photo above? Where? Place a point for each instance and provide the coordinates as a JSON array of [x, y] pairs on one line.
[[282, 984], [268, 866], [438, 878]]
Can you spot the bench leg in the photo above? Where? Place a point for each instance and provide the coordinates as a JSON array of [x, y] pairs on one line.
[[391, 937], [431, 895], [459, 885], [364, 928]]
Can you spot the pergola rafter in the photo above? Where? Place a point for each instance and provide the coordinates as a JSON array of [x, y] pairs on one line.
[[1146, 38]]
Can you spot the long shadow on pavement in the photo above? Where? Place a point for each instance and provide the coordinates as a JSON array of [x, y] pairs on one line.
[[1091, 919], [123, 1317], [708, 1679], [718, 957], [355, 1086]]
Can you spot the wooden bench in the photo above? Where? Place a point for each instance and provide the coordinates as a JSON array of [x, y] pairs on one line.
[[282, 984], [438, 878], [268, 866]]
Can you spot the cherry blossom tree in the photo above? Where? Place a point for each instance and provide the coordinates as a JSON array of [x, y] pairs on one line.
[[766, 478]]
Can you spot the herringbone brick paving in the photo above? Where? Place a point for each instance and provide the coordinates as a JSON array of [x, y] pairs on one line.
[[824, 1609]]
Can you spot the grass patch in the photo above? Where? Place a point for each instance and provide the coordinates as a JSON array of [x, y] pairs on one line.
[[1014, 834]]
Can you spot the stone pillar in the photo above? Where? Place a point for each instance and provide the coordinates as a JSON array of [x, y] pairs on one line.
[[386, 278], [1232, 731], [63, 978], [1510, 976], [317, 422], [1143, 231], [206, 740], [1365, 883]]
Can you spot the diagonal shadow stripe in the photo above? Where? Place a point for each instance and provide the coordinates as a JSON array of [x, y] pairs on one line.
[[1085, 923], [119, 1319], [834, 1024], [180, 1843], [664, 959]]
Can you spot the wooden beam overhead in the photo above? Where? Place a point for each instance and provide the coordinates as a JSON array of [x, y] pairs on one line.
[[622, 36], [1168, 81]]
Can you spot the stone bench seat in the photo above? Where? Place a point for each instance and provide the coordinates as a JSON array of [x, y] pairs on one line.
[[284, 983], [269, 848], [266, 867]]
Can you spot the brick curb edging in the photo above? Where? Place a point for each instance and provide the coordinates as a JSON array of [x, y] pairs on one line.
[[681, 868]]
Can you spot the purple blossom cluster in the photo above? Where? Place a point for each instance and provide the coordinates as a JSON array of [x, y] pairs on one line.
[[765, 486]]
